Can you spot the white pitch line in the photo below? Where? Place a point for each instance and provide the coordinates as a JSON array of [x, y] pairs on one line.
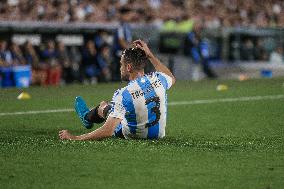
[[37, 112], [208, 101]]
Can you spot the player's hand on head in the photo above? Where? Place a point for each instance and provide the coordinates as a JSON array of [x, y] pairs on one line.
[[142, 45], [65, 135]]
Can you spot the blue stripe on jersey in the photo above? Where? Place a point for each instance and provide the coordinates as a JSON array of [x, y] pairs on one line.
[[153, 131], [130, 114], [164, 81], [165, 85]]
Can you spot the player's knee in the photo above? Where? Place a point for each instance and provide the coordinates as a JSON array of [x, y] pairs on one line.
[[101, 108], [102, 105]]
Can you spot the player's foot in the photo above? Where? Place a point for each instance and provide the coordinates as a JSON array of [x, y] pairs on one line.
[[82, 111]]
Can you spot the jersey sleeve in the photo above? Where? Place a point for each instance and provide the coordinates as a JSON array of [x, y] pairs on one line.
[[166, 80], [117, 109]]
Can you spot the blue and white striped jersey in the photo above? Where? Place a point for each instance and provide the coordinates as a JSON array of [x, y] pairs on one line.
[[142, 106]]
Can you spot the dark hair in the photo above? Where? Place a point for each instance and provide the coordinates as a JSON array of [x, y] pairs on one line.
[[124, 10], [136, 57]]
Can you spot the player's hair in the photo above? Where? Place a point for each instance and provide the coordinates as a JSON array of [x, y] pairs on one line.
[[136, 57]]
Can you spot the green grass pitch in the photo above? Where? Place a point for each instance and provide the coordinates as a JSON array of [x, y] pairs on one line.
[[236, 144]]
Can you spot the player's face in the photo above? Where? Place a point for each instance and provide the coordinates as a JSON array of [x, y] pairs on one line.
[[123, 70]]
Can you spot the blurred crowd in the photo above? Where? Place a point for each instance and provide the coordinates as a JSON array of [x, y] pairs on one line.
[[214, 13], [53, 63]]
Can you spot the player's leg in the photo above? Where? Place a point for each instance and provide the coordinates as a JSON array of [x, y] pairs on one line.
[[99, 113], [95, 115]]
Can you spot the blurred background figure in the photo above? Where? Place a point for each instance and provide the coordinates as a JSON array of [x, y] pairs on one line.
[[6, 63], [64, 61], [277, 56], [39, 73], [17, 56], [122, 40], [103, 43], [51, 63], [199, 50], [5, 54], [247, 50], [104, 61], [76, 60], [94, 67], [259, 51]]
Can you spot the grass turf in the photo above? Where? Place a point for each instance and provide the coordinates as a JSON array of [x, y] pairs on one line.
[[219, 145]]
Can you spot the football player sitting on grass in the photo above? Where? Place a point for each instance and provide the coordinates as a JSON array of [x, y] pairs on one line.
[[137, 111]]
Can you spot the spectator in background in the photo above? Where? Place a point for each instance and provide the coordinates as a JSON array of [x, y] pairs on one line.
[[154, 4], [76, 59], [198, 49], [90, 65], [51, 64], [17, 56], [103, 58], [101, 38], [5, 54], [276, 57], [64, 60], [122, 40], [102, 44], [259, 51], [6, 63], [247, 50], [39, 73], [1, 63]]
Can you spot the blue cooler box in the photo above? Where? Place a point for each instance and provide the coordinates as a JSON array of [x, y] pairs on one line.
[[22, 76], [266, 73]]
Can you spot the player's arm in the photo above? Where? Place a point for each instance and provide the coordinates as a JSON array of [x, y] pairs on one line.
[[103, 132], [123, 43], [154, 60], [121, 40]]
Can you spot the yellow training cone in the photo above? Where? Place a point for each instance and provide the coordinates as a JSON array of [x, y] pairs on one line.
[[222, 87], [24, 96]]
